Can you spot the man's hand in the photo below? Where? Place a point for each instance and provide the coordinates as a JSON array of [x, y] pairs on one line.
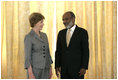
[[31, 75], [58, 70], [82, 71]]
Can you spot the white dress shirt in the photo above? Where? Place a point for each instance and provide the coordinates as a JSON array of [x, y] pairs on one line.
[[71, 30]]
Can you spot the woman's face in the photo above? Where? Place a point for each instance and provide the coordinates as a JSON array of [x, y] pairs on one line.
[[39, 25]]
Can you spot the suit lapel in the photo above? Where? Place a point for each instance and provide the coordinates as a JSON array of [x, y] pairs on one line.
[[36, 36], [74, 35], [64, 37]]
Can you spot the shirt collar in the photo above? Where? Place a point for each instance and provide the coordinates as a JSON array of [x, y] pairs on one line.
[[73, 28]]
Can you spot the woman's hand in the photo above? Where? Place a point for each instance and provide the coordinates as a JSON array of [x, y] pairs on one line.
[[31, 75], [50, 73]]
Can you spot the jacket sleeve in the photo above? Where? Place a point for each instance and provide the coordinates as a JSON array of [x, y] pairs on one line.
[[27, 48], [85, 50], [58, 52]]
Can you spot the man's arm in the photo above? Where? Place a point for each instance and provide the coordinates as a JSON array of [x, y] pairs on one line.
[[58, 55], [85, 53], [58, 52], [85, 50]]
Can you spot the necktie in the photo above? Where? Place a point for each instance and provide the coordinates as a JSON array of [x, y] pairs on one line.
[[68, 37]]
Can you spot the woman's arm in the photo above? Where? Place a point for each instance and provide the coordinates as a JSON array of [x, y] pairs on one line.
[[28, 48], [31, 75]]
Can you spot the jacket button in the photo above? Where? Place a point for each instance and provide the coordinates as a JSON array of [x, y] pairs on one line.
[[44, 56], [43, 46], [43, 53], [43, 49]]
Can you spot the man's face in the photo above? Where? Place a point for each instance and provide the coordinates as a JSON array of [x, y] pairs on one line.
[[66, 19]]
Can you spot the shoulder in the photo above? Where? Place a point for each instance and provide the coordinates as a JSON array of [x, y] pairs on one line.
[[82, 30], [62, 31], [28, 36]]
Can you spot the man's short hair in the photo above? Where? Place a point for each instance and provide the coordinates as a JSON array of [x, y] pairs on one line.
[[71, 13]]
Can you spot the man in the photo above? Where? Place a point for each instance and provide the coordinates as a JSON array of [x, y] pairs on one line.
[[72, 51]]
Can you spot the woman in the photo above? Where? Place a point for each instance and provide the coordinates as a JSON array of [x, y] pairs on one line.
[[37, 55]]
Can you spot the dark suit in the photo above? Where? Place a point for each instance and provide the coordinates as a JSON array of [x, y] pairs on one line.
[[74, 57]]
